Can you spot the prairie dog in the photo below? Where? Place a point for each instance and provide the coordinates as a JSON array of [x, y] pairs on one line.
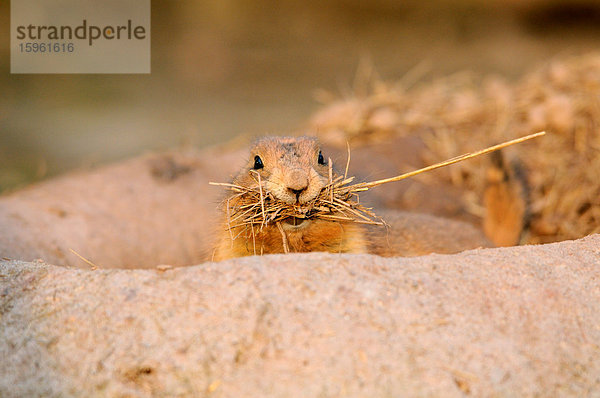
[[294, 171]]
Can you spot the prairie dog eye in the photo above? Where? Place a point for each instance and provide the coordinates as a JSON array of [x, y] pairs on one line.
[[258, 163], [321, 158]]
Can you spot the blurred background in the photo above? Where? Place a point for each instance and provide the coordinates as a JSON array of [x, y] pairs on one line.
[[226, 67]]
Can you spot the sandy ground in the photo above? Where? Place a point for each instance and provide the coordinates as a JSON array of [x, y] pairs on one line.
[[496, 322], [151, 210]]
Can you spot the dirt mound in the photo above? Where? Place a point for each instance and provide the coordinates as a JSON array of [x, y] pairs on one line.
[[150, 210], [496, 322]]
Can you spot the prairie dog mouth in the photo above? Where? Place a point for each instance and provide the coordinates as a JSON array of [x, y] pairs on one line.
[[294, 222]]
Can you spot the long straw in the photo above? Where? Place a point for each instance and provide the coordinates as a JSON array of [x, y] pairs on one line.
[[364, 186]]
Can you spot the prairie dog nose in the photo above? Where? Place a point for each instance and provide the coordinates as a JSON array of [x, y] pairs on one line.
[[297, 182], [296, 192]]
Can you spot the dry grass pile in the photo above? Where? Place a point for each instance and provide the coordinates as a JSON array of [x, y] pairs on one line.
[[461, 113]]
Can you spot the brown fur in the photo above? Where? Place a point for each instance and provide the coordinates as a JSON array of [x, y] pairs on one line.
[[414, 234], [506, 200], [319, 236], [292, 163]]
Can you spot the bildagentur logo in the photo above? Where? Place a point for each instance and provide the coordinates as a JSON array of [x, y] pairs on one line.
[[80, 36], [85, 31]]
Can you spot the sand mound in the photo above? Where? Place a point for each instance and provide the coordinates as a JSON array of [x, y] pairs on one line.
[[154, 209], [495, 322]]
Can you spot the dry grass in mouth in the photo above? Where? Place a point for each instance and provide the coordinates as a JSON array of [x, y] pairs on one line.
[[338, 200]]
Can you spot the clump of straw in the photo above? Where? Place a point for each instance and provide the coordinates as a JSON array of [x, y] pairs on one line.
[[337, 201]]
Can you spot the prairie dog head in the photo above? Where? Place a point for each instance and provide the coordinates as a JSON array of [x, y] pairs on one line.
[[292, 169]]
